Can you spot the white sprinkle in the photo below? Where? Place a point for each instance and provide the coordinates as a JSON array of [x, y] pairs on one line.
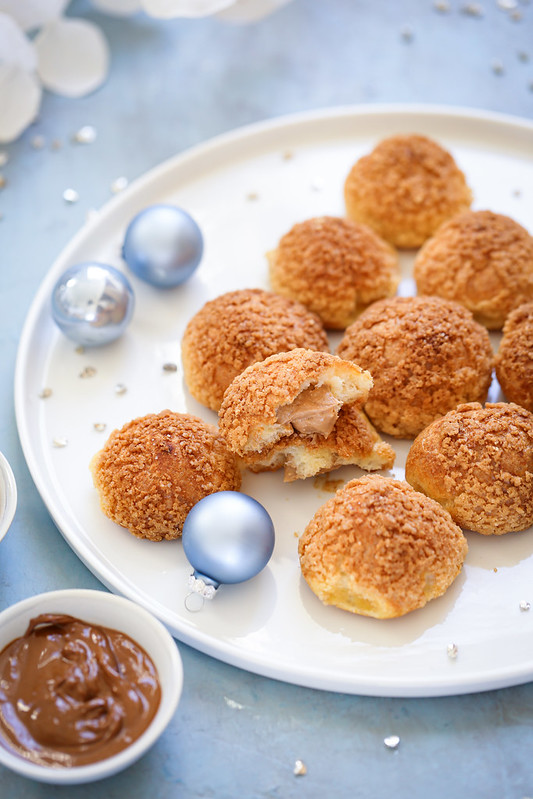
[[120, 389], [300, 769], [88, 371], [392, 741], [233, 704], [38, 142], [85, 135], [507, 5], [100, 426], [4, 158], [119, 185], [525, 605], [60, 442], [452, 651], [71, 196], [45, 393], [472, 10]]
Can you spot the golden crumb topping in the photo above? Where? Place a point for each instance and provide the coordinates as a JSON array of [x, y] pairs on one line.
[[478, 463], [514, 359], [482, 260], [153, 470], [426, 355], [380, 548], [335, 267], [405, 189], [237, 329]]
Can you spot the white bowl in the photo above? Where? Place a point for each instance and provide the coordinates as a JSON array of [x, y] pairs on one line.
[[8, 496], [109, 610]]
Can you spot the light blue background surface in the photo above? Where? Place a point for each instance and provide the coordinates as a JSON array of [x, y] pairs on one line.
[[173, 84]]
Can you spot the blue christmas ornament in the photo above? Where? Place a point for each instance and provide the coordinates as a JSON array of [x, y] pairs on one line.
[[92, 303], [228, 537], [163, 245]]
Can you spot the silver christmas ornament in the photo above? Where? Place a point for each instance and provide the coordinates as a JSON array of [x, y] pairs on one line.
[[92, 303], [163, 245], [228, 537]]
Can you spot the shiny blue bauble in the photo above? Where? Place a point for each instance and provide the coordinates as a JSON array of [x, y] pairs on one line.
[[163, 245], [92, 303], [228, 537]]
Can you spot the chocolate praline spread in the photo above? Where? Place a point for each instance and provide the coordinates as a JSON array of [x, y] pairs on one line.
[[73, 693]]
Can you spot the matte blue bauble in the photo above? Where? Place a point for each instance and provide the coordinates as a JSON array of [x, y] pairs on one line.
[[228, 537], [92, 303], [163, 245]]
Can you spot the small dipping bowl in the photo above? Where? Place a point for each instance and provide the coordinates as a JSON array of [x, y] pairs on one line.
[[8, 496], [117, 613]]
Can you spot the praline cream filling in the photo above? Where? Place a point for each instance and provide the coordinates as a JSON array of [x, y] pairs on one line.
[[315, 410]]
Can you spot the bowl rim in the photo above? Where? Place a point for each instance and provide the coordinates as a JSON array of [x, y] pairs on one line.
[[170, 689], [7, 512]]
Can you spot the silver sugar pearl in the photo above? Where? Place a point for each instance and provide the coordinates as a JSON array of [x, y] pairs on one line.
[[525, 605], [120, 389], [85, 135], [452, 651], [300, 769], [71, 196], [119, 185], [392, 741]]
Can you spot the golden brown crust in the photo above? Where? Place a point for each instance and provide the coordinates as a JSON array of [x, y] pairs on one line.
[[335, 267], [426, 356], [381, 549], [482, 260], [514, 359], [251, 422], [237, 329], [153, 470], [478, 463], [405, 189]]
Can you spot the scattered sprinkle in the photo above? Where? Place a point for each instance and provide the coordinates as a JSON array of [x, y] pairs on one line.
[[88, 371], [452, 651], [300, 769], [57, 144], [252, 196], [45, 393], [85, 135], [516, 16], [288, 155], [71, 196], [3, 182], [530, 85], [38, 142], [522, 56], [233, 704], [120, 389], [407, 33], [525, 605], [119, 184], [517, 192], [442, 6], [507, 5], [497, 66], [4, 158], [60, 442], [170, 367], [317, 184], [80, 349], [472, 10], [392, 741], [99, 427]]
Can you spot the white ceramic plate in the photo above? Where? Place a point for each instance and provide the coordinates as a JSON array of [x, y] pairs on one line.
[[246, 189]]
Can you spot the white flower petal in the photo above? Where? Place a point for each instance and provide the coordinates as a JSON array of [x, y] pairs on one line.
[[165, 9], [119, 8], [250, 10], [31, 14], [15, 47], [73, 57], [20, 98]]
